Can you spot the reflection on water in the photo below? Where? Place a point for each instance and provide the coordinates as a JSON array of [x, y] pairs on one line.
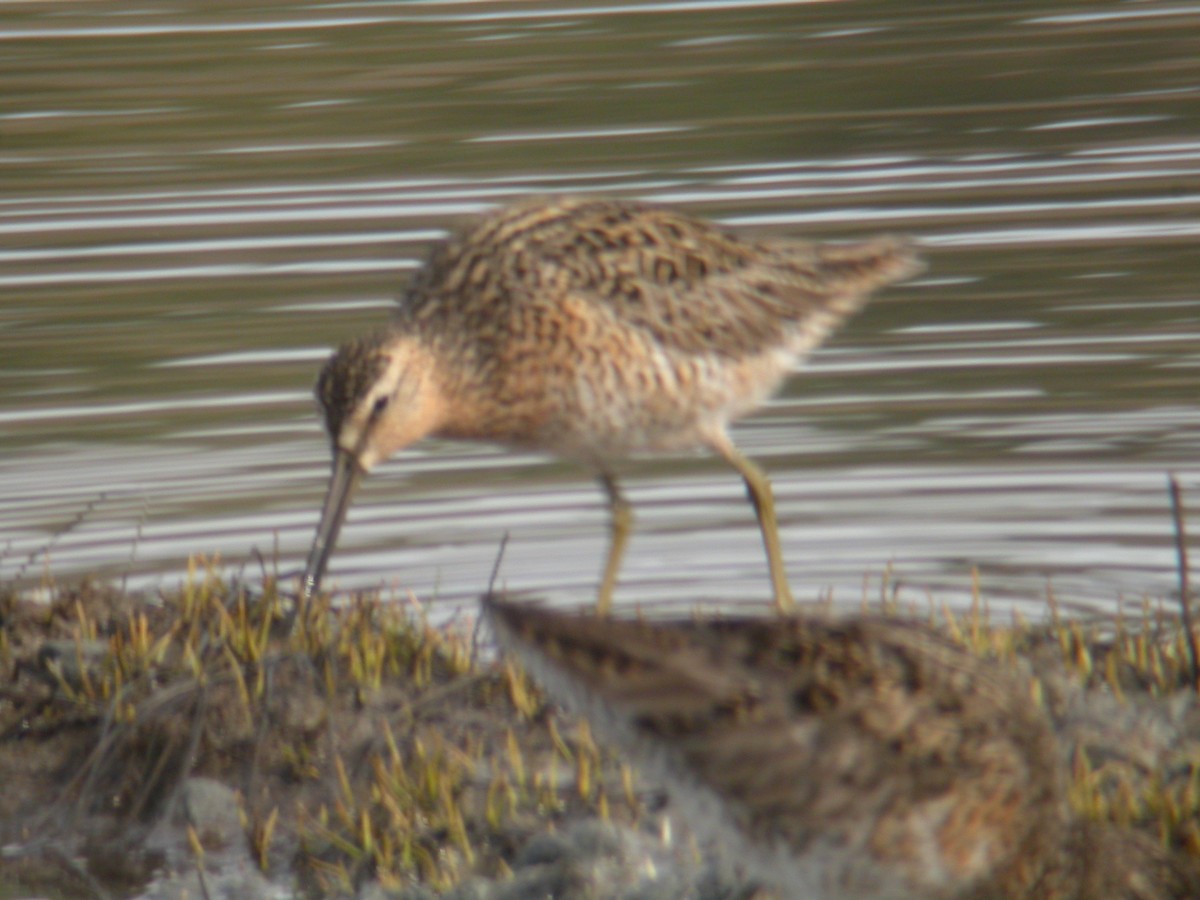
[[183, 242]]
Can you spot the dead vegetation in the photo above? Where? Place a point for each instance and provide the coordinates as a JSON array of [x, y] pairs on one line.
[[367, 747]]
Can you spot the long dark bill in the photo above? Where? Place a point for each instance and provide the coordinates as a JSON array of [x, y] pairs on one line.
[[342, 482]]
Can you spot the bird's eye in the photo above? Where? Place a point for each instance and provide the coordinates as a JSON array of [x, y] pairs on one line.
[[379, 406]]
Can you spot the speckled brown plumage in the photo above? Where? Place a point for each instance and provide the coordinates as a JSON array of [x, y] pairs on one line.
[[595, 329], [866, 758], [691, 286], [347, 378]]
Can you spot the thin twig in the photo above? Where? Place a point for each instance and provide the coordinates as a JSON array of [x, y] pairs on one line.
[[1185, 593], [58, 533], [138, 533], [68, 862], [203, 879], [491, 588]]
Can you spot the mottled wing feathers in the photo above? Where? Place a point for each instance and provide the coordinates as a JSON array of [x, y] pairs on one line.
[[657, 676], [836, 750], [694, 287], [790, 298]]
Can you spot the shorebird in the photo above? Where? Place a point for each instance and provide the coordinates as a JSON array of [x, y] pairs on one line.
[[592, 329], [869, 758]]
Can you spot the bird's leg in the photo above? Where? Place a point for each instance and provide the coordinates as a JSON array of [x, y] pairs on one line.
[[759, 488], [620, 522]]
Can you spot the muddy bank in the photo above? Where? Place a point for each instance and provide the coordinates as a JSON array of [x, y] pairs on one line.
[[190, 742]]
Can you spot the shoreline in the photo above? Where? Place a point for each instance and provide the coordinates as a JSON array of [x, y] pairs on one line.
[[153, 745]]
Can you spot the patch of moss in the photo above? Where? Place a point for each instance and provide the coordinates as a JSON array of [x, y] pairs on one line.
[[364, 744]]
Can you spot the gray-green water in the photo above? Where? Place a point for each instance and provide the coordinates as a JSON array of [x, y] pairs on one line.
[[197, 201]]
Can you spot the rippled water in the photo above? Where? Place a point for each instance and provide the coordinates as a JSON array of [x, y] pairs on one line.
[[199, 202]]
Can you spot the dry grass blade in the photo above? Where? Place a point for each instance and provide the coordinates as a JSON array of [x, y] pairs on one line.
[[1185, 593]]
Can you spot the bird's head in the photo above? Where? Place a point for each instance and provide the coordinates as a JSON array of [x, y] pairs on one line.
[[379, 394]]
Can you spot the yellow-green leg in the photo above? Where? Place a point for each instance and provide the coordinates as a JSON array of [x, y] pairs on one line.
[[620, 523], [759, 488]]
